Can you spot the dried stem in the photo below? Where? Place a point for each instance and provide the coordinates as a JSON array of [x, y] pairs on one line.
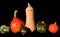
[[15, 13]]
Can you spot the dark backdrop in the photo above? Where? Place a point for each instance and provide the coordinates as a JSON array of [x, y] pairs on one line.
[[44, 10]]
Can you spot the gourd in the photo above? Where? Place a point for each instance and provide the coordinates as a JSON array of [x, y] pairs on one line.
[[16, 23], [41, 26], [53, 28], [4, 29], [25, 30], [30, 18]]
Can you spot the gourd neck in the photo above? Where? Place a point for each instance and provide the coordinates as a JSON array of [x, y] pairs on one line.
[[15, 12]]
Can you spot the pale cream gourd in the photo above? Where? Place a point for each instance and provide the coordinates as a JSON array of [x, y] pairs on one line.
[[30, 18]]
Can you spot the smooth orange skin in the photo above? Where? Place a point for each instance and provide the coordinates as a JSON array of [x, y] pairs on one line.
[[55, 28], [19, 23]]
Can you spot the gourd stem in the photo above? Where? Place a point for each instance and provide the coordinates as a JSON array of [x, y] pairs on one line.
[[15, 13], [42, 21], [55, 23], [29, 5]]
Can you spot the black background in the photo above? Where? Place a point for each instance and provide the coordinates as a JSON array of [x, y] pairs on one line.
[[44, 10]]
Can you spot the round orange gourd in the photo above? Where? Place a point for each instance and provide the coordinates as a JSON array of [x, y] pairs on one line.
[[16, 23], [53, 28]]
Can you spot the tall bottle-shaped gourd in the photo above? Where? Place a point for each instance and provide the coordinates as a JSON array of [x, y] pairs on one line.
[[30, 18]]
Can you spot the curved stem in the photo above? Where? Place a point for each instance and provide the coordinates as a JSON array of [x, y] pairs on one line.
[[15, 13]]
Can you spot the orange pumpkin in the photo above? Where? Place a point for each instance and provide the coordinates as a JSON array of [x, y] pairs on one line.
[[16, 23], [53, 28]]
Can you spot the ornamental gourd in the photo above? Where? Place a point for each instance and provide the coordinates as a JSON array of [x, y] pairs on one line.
[[4, 29], [25, 30], [30, 18], [53, 28], [41, 27], [16, 23]]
